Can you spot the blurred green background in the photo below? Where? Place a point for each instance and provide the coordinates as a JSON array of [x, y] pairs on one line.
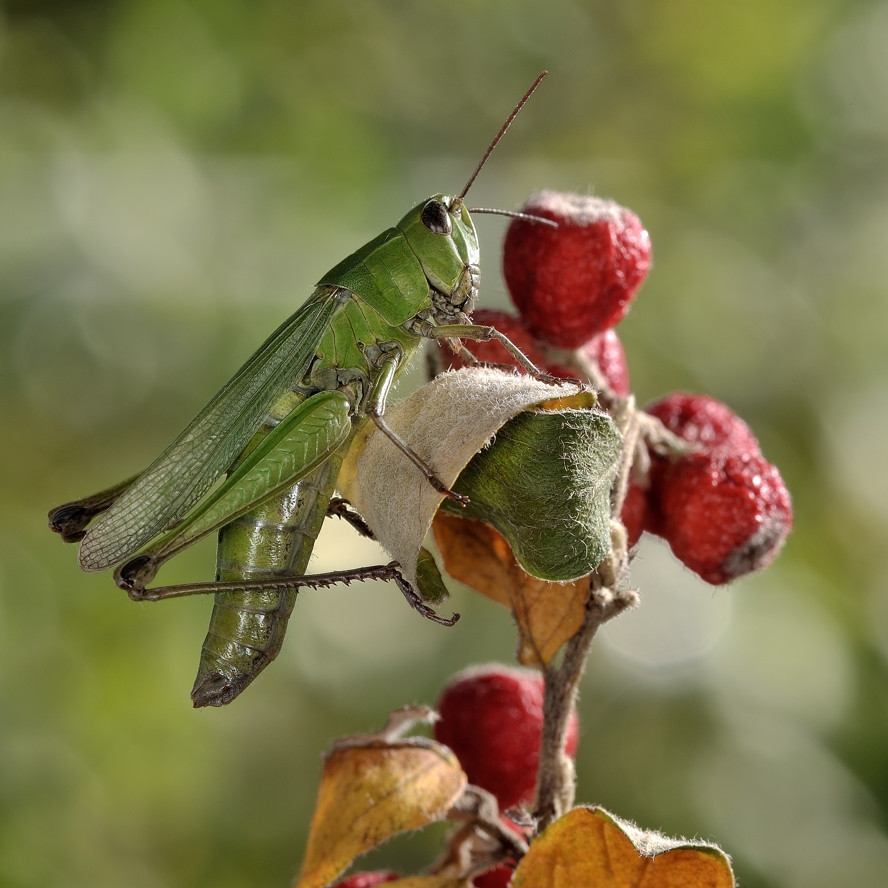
[[174, 176]]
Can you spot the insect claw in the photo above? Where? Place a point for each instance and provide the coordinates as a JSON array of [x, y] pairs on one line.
[[342, 508], [442, 488], [457, 497], [563, 380], [504, 368], [441, 621], [416, 602]]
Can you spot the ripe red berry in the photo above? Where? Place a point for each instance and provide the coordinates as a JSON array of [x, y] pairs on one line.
[[634, 514], [491, 717], [498, 877], [700, 420], [367, 880], [724, 515], [572, 282], [493, 352], [706, 421], [607, 351]]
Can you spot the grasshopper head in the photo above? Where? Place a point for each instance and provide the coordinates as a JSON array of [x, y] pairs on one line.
[[442, 235]]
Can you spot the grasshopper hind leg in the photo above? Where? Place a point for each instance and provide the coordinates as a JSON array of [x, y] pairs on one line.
[[261, 561], [224, 673]]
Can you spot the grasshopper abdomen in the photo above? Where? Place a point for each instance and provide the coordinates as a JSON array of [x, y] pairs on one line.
[[247, 626]]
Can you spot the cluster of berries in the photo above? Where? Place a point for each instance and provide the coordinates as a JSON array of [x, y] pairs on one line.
[[491, 717], [721, 506], [698, 480]]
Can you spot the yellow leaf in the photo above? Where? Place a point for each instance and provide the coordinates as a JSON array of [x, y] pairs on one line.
[[588, 846], [547, 613], [583, 400], [371, 792]]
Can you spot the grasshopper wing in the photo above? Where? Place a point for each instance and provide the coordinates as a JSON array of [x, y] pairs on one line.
[[187, 469]]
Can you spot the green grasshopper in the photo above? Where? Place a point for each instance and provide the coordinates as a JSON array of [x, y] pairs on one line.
[[280, 428]]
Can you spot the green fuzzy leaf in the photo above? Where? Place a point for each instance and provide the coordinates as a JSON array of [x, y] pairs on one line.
[[544, 484]]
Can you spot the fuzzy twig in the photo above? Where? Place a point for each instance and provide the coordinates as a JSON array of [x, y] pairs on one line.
[[556, 783]]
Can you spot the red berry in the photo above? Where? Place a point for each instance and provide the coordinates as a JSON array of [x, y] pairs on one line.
[[367, 880], [572, 282], [607, 351], [634, 514], [498, 877], [493, 352], [491, 717], [724, 516], [702, 420]]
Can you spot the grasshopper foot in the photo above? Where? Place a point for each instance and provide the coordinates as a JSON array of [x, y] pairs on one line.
[[417, 603], [442, 488]]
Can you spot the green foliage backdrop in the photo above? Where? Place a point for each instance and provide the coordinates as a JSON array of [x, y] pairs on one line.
[[174, 176]]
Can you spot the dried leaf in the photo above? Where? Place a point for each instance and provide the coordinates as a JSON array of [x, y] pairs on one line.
[[589, 846], [374, 791], [547, 613], [475, 554]]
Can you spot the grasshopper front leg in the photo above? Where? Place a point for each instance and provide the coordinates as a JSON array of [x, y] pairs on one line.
[[484, 333], [342, 508], [376, 408]]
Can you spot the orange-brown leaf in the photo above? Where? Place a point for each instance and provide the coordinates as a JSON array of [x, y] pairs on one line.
[[475, 554], [371, 792], [547, 613], [588, 846]]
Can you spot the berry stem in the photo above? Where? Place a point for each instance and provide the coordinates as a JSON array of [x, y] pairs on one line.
[[556, 781], [628, 421], [481, 841]]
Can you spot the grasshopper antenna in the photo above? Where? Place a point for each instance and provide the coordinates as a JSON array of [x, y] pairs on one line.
[[514, 215], [501, 133]]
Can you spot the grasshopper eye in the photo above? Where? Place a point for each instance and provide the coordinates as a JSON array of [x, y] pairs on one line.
[[435, 217]]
